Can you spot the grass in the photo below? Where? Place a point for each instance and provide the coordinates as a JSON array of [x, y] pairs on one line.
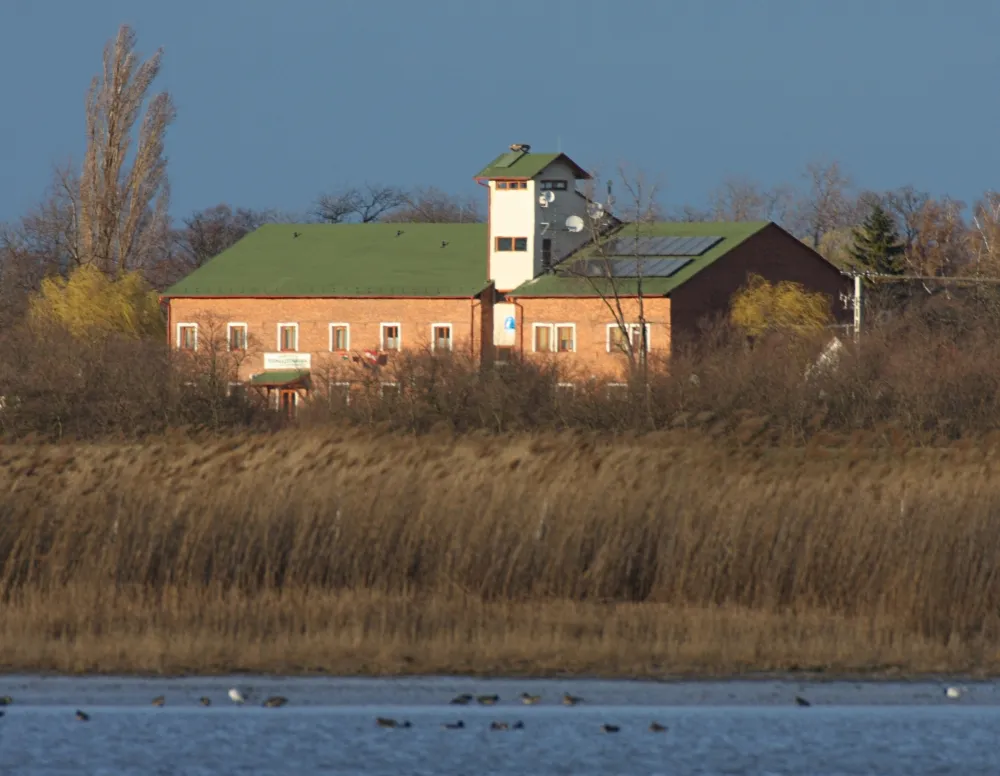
[[654, 555]]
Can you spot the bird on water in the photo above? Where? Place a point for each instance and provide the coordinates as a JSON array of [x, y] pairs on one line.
[[236, 696], [159, 700], [82, 716], [530, 700], [462, 700], [800, 701], [274, 701], [570, 700], [204, 700], [488, 700], [453, 725], [656, 727], [606, 728]]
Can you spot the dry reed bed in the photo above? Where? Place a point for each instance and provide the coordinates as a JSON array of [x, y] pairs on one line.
[[665, 553]]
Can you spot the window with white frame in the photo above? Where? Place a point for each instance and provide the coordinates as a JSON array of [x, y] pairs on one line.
[[390, 337], [389, 389], [340, 337], [187, 336], [440, 336], [565, 389], [236, 335], [617, 390], [619, 336], [340, 392], [553, 337], [288, 337]]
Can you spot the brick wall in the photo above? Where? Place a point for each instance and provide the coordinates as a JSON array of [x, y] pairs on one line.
[[592, 316], [314, 317]]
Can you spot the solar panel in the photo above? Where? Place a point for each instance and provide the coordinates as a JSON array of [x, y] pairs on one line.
[[509, 158], [643, 266], [662, 246]]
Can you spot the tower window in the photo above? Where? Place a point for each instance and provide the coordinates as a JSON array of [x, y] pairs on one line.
[[512, 185], [512, 243], [553, 185]]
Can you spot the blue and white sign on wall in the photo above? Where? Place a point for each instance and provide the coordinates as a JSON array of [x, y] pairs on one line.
[[504, 325]]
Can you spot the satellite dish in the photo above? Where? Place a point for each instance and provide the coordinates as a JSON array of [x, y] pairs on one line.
[[595, 210], [574, 224], [549, 196]]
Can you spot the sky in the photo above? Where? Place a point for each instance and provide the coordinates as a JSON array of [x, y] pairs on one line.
[[279, 102]]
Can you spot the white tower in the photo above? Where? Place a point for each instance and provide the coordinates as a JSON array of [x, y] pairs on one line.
[[531, 197]]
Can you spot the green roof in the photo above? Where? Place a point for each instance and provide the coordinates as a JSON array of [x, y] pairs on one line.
[[517, 164], [278, 377], [560, 283], [426, 260]]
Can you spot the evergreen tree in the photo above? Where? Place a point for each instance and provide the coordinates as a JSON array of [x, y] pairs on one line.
[[877, 245]]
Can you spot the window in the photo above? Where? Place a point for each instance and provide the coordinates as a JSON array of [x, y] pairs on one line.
[[236, 334], [553, 185], [617, 390], [565, 337], [390, 338], [389, 389], [546, 253], [288, 337], [553, 337], [512, 243], [340, 393], [541, 336], [187, 336], [512, 185], [441, 336], [565, 389], [340, 336], [618, 343]]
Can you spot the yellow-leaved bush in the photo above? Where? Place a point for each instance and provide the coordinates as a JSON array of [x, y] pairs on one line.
[[89, 303], [762, 307]]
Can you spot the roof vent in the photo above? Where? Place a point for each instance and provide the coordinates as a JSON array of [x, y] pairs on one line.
[[521, 148]]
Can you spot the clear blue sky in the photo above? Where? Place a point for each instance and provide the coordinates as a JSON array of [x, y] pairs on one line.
[[278, 101]]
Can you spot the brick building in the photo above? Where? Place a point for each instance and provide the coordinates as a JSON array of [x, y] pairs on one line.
[[552, 274]]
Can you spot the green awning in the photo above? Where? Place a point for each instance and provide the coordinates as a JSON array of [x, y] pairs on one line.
[[280, 377]]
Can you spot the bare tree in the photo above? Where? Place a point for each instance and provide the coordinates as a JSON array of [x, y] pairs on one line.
[[622, 292], [122, 209], [826, 204], [907, 204], [739, 199], [433, 206], [209, 232], [368, 203]]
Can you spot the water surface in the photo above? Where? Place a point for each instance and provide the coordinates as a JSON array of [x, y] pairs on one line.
[[738, 727]]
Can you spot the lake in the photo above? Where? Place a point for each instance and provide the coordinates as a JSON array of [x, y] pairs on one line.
[[328, 727]]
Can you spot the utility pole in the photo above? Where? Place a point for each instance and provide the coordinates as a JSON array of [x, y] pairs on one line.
[[857, 306]]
